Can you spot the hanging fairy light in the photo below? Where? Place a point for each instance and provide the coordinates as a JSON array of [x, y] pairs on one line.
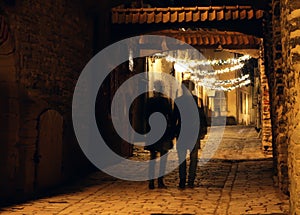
[[206, 77], [232, 81], [131, 64], [194, 63], [190, 65], [222, 88], [222, 85], [219, 71], [180, 67]]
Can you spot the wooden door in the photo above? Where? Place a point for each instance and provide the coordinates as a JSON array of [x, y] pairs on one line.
[[49, 150]]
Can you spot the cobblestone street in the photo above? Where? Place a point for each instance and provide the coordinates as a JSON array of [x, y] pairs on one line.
[[237, 180]]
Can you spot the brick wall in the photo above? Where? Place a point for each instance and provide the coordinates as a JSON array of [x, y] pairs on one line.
[[52, 42], [290, 28]]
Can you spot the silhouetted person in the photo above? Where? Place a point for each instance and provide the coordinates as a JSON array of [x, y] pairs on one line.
[[159, 103], [183, 148]]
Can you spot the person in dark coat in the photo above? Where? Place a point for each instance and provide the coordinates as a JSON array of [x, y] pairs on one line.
[[182, 148], [159, 103]]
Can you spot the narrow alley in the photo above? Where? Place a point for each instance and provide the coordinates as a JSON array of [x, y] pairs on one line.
[[237, 180]]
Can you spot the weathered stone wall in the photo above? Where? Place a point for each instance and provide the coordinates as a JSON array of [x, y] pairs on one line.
[[279, 120], [9, 109], [274, 64], [52, 42], [266, 133], [290, 28]]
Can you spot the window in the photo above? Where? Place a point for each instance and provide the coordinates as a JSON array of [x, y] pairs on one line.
[[241, 102], [244, 103]]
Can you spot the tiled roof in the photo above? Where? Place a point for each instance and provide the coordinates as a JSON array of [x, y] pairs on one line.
[[3, 30], [213, 38], [184, 14]]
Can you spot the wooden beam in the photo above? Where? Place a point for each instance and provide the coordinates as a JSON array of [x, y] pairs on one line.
[[258, 4]]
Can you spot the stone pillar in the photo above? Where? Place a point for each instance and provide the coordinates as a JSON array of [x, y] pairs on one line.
[[274, 72], [266, 132], [290, 28], [280, 124]]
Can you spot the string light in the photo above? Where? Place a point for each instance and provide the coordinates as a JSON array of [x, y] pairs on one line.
[[219, 71], [232, 81], [130, 60], [195, 63], [190, 65], [222, 85], [185, 68], [201, 76], [222, 88]]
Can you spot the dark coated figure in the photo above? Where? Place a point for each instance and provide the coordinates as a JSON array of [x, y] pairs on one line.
[[159, 103], [182, 148]]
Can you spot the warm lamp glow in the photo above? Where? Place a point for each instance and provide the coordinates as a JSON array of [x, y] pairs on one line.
[[179, 67]]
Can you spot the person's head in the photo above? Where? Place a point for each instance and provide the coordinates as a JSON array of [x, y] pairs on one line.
[[158, 86], [189, 85]]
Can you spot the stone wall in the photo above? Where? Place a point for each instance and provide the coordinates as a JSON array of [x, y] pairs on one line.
[[50, 42], [290, 28], [279, 100], [9, 109], [266, 133], [274, 72]]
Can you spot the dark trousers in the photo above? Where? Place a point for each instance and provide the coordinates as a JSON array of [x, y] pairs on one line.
[[192, 167], [162, 165]]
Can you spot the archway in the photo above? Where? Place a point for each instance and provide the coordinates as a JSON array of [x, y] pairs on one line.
[[159, 19]]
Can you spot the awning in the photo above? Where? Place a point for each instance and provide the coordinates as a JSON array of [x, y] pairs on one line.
[[212, 38], [184, 14]]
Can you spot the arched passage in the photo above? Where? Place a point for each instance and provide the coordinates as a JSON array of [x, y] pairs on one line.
[[273, 78], [281, 60]]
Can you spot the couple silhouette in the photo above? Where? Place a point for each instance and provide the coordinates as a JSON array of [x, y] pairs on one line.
[[160, 103]]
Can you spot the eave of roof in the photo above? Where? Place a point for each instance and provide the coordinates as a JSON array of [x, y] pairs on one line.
[[213, 38], [184, 14]]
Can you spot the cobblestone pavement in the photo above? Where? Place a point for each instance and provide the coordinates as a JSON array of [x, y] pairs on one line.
[[236, 180]]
